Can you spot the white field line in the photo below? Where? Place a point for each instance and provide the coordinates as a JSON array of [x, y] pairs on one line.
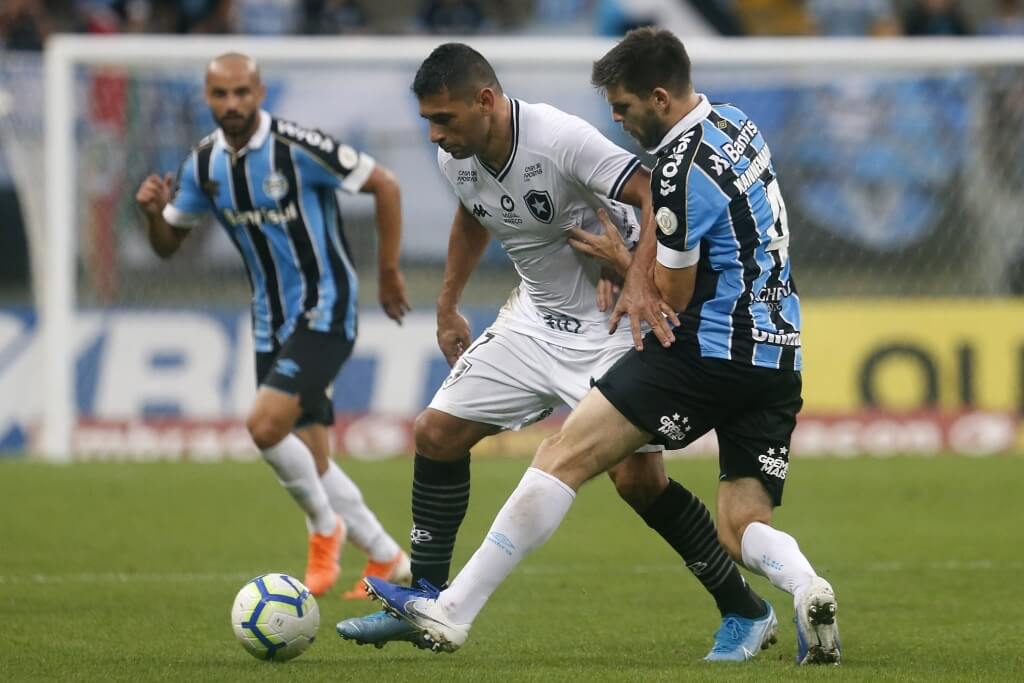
[[547, 569]]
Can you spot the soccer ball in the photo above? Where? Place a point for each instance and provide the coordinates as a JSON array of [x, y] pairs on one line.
[[275, 617]]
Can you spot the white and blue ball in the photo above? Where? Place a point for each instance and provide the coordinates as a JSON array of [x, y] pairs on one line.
[[275, 617]]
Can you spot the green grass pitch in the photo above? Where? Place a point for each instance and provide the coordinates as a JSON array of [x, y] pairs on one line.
[[126, 573]]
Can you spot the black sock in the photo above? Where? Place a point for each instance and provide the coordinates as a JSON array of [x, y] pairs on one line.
[[683, 520], [440, 496]]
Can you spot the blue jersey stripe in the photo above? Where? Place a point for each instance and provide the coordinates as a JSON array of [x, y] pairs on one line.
[[745, 306], [269, 199], [349, 295], [317, 224]]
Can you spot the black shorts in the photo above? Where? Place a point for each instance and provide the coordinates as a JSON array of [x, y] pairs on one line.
[[306, 365], [678, 396]]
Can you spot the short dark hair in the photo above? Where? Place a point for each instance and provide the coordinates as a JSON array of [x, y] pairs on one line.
[[647, 58], [457, 68]]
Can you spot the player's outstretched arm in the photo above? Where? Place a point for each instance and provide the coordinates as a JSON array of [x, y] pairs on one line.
[[387, 196], [465, 247], [640, 299], [153, 195]]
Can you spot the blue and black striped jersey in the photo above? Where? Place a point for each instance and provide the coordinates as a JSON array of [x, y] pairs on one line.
[[718, 206], [276, 200]]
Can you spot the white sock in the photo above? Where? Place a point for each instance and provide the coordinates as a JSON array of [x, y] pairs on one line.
[[364, 530], [527, 520], [775, 555], [295, 469]]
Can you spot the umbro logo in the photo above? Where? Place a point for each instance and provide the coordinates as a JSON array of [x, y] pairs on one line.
[[480, 212], [286, 367]]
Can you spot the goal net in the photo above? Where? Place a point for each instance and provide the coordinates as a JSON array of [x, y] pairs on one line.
[[899, 162]]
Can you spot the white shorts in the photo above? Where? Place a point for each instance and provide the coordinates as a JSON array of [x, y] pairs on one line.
[[511, 380]]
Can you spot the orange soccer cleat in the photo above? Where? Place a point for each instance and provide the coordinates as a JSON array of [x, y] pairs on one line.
[[393, 571], [322, 567]]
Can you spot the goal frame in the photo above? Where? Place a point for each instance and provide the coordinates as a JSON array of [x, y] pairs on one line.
[[64, 53]]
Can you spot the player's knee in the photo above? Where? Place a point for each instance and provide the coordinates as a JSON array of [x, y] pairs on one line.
[[433, 439], [557, 458], [428, 435], [636, 488], [266, 430]]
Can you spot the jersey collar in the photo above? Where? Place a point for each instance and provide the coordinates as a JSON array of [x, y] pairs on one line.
[[696, 115], [255, 142], [514, 111]]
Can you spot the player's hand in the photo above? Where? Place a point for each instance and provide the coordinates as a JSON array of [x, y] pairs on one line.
[[154, 193], [391, 292], [453, 334], [608, 288], [606, 246], [641, 301]]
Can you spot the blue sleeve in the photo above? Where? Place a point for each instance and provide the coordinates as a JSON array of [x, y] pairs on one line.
[[189, 203], [342, 168]]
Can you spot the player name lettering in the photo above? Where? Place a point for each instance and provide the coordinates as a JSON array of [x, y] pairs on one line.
[[257, 217], [762, 161], [789, 339], [310, 137], [735, 149]]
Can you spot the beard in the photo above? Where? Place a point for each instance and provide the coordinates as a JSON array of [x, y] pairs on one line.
[[649, 131], [234, 123]]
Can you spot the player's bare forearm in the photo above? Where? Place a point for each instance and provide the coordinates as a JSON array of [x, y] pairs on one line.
[[640, 298], [153, 195], [466, 245], [637, 192], [163, 237], [675, 285], [387, 196]]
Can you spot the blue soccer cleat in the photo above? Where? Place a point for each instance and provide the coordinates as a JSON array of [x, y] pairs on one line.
[[420, 607], [739, 639], [817, 633], [379, 629]]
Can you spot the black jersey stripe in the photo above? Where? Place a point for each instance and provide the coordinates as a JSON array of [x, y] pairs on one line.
[[337, 253], [298, 229], [243, 202], [623, 178], [745, 230]]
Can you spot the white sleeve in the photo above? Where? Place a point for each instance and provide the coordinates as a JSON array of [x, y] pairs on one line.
[[357, 177], [675, 259], [176, 218], [592, 159]]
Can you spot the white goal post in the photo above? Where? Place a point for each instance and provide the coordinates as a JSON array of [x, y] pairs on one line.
[[813, 58]]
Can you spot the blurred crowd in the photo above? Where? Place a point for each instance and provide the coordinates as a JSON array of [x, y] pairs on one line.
[[24, 24]]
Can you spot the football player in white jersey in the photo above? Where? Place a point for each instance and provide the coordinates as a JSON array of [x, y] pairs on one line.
[[536, 179]]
